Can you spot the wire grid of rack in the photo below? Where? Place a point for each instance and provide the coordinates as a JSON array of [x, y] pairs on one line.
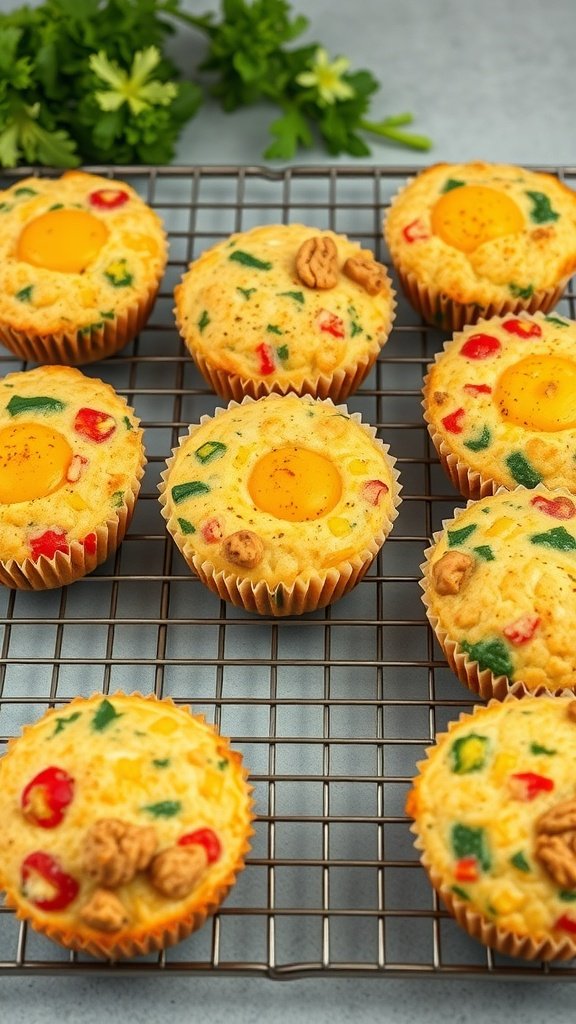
[[331, 710]]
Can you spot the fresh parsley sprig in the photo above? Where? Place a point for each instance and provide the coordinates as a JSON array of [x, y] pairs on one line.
[[249, 53]]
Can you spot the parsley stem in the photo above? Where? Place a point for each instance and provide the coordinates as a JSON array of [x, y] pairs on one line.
[[388, 128]]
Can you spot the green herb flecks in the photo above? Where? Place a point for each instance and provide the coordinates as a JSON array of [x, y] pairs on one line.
[[118, 274], [161, 762], [203, 321], [484, 440], [181, 492], [456, 537], [521, 292], [274, 329], [246, 292], [537, 748], [541, 212], [452, 183], [557, 538], [522, 471], [518, 860], [556, 320], [117, 499], [164, 808], [186, 526], [283, 353], [297, 296], [471, 842], [468, 754], [25, 294], [248, 260], [39, 403], [107, 314], [567, 895], [104, 715], [210, 451], [491, 654], [24, 192], [64, 721], [459, 891], [484, 551]]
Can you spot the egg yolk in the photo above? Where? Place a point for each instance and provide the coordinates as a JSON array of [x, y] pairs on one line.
[[295, 483], [467, 216], [64, 240], [34, 461], [539, 393]]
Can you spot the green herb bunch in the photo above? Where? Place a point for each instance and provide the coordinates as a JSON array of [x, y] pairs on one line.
[[89, 81]]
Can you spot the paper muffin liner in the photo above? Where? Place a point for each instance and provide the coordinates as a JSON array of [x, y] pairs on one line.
[[482, 682], [309, 591], [337, 385], [65, 567], [439, 310], [164, 933], [542, 946], [78, 347]]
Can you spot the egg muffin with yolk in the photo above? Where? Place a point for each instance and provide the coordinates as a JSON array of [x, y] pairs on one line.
[[81, 259], [280, 504], [475, 240], [499, 404], [71, 462]]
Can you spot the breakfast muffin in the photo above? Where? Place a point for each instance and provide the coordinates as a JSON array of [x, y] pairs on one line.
[[125, 821], [81, 259], [499, 404], [478, 239], [71, 461], [495, 820], [499, 587], [280, 504], [285, 308]]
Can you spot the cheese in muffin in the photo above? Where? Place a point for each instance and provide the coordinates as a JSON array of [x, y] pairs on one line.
[[499, 404], [500, 589], [71, 461], [280, 504], [477, 239], [285, 308], [81, 258], [125, 821], [495, 816]]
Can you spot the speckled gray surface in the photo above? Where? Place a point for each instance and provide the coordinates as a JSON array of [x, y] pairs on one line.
[[490, 80]]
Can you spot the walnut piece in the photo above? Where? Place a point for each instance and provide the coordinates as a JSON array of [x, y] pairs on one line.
[[451, 571], [104, 911], [366, 272], [176, 871], [555, 847], [317, 262], [243, 548], [115, 850]]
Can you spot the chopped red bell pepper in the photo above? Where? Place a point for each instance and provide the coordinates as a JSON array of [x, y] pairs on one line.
[[48, 543], [45, 798], [373, 491], [204, 837], [523, 328], [566, 924], [527, 785], [466, 870], [478, 389], [331, 324], [522, 629], [558, 508], [454, 422], [90, 543], [480, 346], [415, 231], [212, 530], [265, 359], [108, 198], [48, 868], [95, 425]]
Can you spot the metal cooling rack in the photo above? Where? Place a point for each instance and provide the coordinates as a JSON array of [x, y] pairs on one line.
[[331, 711]]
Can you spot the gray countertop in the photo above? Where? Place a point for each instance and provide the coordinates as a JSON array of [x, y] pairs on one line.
[[488, 80]]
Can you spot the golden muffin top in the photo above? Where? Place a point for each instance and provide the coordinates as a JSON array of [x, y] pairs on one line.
[[118, 814], [501, 581], [494, 813], [75, 251], [308, 484], [70, 448], [500, 397], [286, 304], [482, 232]]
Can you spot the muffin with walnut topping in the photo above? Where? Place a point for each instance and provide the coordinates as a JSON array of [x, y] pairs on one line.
[[282, 308], [125, 822], [81, 259], [281, 504], [494, 817]]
